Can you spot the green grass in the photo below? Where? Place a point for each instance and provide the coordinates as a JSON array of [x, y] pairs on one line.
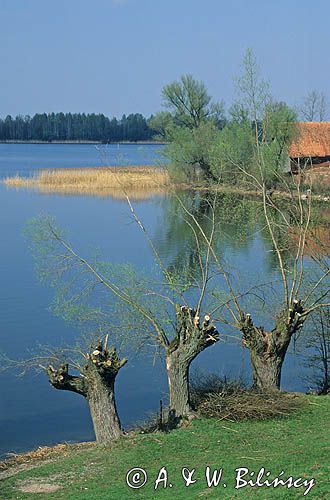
[[298, 444]]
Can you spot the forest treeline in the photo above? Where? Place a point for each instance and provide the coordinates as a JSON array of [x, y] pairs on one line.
[[76, 127]]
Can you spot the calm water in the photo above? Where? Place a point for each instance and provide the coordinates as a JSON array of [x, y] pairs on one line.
[[32, 413], [23, 159]]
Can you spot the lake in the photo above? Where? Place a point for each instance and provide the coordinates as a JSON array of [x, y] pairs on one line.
[[32, 413], [24, 159]]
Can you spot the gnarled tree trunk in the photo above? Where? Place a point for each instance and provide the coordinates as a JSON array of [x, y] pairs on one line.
[[96, 383], [178, 383], [102, 403], [266, 370], [268, 349], [191, 338]]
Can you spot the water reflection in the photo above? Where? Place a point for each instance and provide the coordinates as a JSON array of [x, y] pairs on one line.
[[135, 194], [30, 410]]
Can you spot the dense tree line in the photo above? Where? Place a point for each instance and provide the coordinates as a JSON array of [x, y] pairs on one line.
[[75, 127], [203, 143]]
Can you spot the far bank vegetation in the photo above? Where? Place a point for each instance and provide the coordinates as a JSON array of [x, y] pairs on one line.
[[204, 145]]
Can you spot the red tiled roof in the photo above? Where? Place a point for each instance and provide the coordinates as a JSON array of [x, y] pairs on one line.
[[313, 140]]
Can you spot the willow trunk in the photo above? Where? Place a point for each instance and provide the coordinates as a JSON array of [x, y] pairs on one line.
[[178, 382], [102, 405]]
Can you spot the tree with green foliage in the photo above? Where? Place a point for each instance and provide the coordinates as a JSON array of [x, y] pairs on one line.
[[233, 148], [302, 290], [278, 131], [202, 145], [255, 142], [160, 123], [130, 307], [190, 104], [89, 365], [190, 151], [190, 127]]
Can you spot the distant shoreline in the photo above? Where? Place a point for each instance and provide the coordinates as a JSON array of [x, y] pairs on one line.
[[146, 143]]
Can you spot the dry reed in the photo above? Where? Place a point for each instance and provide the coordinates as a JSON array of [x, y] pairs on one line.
[[41, 453], [138, 182]]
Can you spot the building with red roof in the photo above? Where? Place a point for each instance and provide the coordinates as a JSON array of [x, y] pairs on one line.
[[311, 146]]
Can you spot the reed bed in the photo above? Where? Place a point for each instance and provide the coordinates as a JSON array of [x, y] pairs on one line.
[[138, 182]]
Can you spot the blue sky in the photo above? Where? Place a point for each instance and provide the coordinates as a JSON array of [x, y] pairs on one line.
[[114, 56]]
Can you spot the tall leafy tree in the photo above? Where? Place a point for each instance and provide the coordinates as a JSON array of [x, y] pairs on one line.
[[190, 102], [190, 128]]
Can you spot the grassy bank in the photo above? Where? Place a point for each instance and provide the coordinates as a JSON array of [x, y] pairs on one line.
[[299, 445]]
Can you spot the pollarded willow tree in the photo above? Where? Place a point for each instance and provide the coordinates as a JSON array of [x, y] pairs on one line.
[[302, 287], [95, 381], [89, 367], [135, 309], [302, 293], [288, 220], [303, 273]]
